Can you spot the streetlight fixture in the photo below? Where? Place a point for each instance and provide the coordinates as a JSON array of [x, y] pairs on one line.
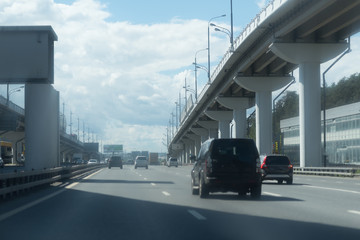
[[224, 15], [221, 29], [9, 92]]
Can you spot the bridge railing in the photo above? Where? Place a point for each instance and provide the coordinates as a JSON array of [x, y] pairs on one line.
[[12, 105], [267, 11], [16, 183], [255, 22]]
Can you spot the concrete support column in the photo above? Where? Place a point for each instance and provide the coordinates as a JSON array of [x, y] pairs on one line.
[[309, 56], [264, 122], [263, 86], [202, 132], [197, 143], [224, 118], [240, 123], [310, 114], [239, 106], [188, 149], [42, 131]]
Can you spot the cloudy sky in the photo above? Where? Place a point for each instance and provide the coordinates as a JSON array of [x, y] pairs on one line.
[[120, 65]]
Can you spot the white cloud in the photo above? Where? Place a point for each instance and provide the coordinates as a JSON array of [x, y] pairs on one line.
[[115, 72], [121, 79]]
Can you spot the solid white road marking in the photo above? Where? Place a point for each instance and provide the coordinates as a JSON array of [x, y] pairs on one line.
[[197, 215], [272, 194], [145, 178], [354, 211], [166, 193], [31, 204], [153, 184], [334, 189]]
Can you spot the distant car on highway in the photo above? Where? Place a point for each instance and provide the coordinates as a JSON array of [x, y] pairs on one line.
[[93, 161], [277, 167], [130, 162], [172, 162], [141, 161], [227, 165], [115, 161]]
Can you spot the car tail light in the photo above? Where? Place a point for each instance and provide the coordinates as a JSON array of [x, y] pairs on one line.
[[263, 166], [290, 166], [208, 165]]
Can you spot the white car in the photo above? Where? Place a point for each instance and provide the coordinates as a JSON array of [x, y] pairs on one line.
[[93, 161], [172, 162], [141, 161]]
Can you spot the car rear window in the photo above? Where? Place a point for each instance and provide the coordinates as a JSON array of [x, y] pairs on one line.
[[173, 160], [234, 149], [277, 160], [141, 158]]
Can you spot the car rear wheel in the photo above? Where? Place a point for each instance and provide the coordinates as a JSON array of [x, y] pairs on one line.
[[289, 181], [203, 190], [194, 191], [280, 181], [255, 191]]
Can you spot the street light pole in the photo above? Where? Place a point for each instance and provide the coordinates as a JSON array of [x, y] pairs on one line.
[[195, 70], [209, 44], [185, 96], [232, 28]]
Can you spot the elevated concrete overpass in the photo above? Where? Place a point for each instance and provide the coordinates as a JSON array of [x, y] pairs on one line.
[[285, 36], [12, 129]]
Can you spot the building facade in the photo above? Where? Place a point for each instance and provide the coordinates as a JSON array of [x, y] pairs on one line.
[[342, 136]]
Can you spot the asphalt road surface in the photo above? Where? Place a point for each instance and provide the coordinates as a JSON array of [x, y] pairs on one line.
[[157, 204]]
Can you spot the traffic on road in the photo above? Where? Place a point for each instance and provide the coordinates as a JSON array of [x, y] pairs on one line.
[[157, 203]]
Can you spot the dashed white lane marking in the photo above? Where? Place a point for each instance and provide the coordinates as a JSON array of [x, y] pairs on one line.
[[333, 189], [272, 194], [145, 178], [153, 184], [197, 215], [354, 212], [166, 193]]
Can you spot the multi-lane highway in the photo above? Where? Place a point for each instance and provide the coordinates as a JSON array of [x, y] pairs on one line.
[[157, 204]]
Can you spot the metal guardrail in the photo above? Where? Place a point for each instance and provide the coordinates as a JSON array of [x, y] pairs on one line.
[[327, 171], [15, 183]]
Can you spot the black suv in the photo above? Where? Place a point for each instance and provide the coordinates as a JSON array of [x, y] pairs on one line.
[[227, 165], [115, 161], [277, 167]]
